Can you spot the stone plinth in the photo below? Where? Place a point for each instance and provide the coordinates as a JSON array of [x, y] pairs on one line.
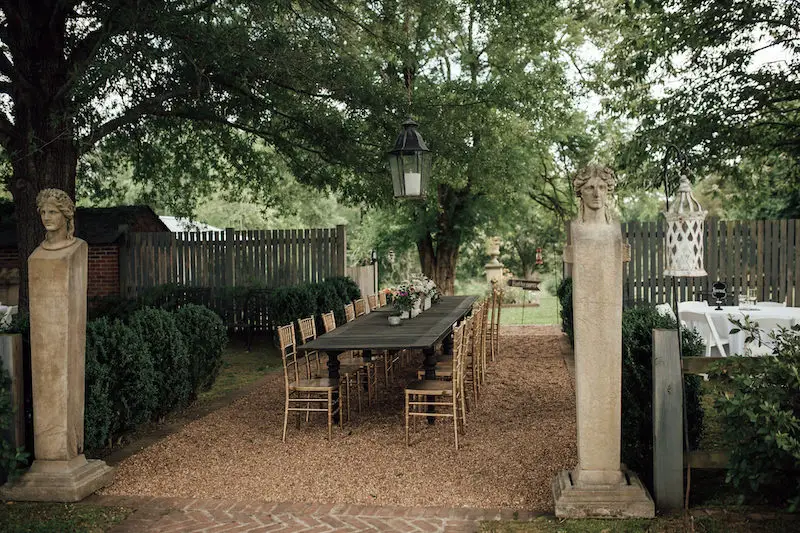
[[627, 499], [57, 289], [59, 481], [494, 271]]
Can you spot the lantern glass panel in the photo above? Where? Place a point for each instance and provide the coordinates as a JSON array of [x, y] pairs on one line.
[[395, 165]]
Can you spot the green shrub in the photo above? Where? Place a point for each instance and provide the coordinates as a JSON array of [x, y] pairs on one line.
[[205, 336], [12, 460], [286, 304], [164, 342], [328, 299], [347, 288], [99, 413], [758, 400], [118, 354], [564, 294], [638, 324]]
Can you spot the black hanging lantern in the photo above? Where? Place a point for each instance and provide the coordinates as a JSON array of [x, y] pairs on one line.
[[410, 163]]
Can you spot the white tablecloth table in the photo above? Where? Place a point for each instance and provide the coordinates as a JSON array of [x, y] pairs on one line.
[[784, 316]]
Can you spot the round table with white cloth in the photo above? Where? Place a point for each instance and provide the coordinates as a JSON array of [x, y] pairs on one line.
[[775, 316]]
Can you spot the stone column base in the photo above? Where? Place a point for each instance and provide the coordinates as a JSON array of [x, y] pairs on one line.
[[627, 500], [59, 481]]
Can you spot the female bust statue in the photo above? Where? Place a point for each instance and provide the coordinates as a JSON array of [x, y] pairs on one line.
[[592, 185], [57, 213]]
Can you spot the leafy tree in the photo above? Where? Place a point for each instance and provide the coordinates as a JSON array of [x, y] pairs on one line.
[[180, 94], [717, 78]]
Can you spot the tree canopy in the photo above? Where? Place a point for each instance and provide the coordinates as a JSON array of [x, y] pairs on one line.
[[719, 80]]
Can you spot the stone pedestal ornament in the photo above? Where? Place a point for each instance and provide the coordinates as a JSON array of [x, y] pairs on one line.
[[494, 268], [598, 486], [57, 278]]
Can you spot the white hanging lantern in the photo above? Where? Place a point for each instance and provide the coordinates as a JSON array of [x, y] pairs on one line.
[[684, 238]]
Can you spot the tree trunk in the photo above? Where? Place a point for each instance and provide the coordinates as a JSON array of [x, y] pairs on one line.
[[42, 146], [439, 264]]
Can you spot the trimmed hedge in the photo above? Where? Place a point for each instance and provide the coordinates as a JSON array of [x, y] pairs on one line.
[[205, 338], [138, 372]]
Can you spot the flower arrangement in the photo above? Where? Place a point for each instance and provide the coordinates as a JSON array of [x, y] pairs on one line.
[[404, 296], [427, 287]]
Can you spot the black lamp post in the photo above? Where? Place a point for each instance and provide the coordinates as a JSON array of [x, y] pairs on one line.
[[410, 163]]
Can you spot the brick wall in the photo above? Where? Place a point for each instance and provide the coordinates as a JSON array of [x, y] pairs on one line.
[[103, 268]]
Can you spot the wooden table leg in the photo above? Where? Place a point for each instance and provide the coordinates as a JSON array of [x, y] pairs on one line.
[[333, 373], [430, 373]]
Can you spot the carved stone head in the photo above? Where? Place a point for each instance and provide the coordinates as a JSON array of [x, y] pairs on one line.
[[58, 217], [593, 184]]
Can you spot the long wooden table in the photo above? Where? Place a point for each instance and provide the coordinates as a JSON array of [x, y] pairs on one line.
[[373, 332]]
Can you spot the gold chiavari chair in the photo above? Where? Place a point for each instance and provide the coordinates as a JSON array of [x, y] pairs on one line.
[[304, 394]]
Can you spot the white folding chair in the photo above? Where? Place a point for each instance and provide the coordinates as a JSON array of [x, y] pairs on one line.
[[767, 325], [702, 322]]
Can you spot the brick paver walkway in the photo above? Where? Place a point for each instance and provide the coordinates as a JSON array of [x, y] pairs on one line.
[[182, 515]]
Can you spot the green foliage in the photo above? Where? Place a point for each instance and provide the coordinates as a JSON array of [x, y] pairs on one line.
[[564, 293], [716, 78], [121, 383], [286, 304], [638, 324], [13, 461], [758, 399], [205, 336], [171, 362]]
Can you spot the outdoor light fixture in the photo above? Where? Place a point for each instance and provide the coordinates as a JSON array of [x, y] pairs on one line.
[[539, 260], [373, 256], [684, 236], [410, 163]]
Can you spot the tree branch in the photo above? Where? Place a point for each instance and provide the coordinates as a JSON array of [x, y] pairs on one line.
[[141, 109]]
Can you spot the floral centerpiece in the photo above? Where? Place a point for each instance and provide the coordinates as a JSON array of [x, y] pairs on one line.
[[404, 298], [427, 287]]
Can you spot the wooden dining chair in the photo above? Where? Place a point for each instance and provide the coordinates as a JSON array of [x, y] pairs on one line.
[[497, 306], [307, 328], [349, 312], [353, 373], [374, 301], [435, 393], [304, 394], [360, 306], [382, 299]]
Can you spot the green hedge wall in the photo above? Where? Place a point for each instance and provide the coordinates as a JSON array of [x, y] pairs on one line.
[[138, 371]]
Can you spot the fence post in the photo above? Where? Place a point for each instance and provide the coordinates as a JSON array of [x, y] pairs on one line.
[[667, 420], [124, 260], [341, 249], [229, 257]]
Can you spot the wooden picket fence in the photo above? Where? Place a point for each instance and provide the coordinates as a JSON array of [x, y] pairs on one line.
[[764, 254], [265, 258]]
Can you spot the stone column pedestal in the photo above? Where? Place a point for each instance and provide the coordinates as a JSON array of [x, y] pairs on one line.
[[60, 472], [494, 271], [598, 486]]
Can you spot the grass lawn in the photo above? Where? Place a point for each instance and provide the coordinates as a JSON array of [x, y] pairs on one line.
[[729, 522], [545, 313], [28, 517], [241, 368]]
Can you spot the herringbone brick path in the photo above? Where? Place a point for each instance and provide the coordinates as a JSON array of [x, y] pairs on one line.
[[183, 515]]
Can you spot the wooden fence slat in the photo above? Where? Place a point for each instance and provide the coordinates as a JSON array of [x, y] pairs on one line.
[[667, 420], [759, 281]]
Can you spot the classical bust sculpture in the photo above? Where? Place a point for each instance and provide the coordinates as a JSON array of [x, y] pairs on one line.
[[593, 184], [57, 213]]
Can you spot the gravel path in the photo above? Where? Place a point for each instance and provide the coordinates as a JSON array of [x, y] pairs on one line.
[[521, 434]]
